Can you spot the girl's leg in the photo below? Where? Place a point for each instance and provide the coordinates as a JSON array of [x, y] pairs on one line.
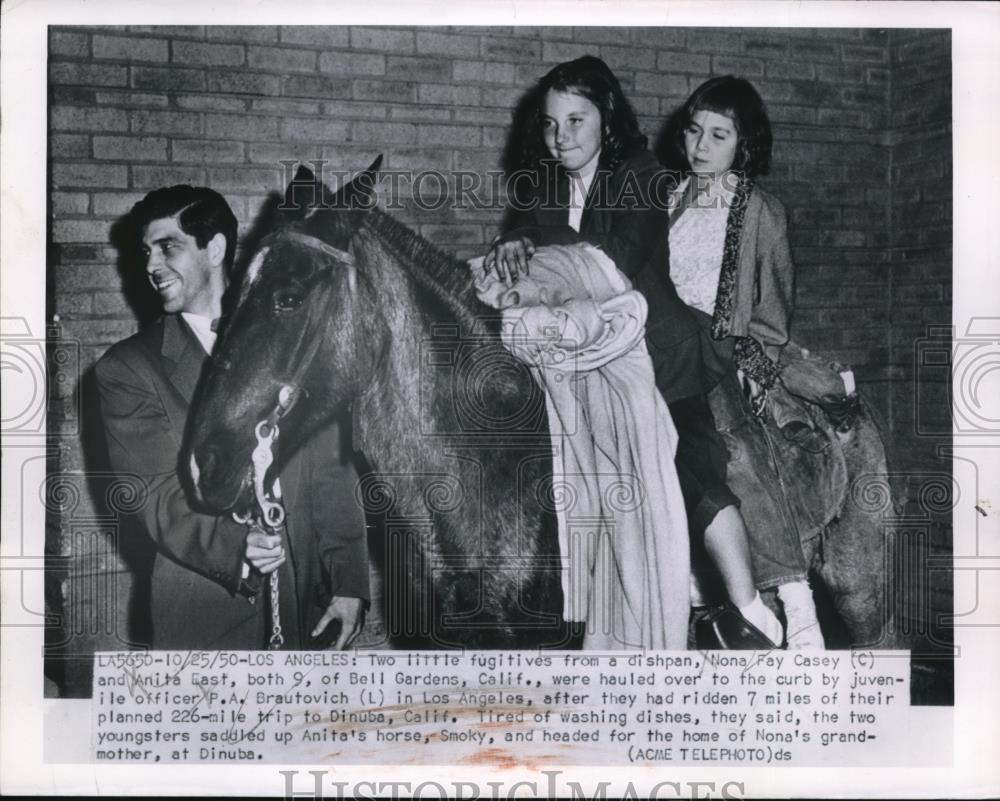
[[776, 551], [713, 510], [726, 543]]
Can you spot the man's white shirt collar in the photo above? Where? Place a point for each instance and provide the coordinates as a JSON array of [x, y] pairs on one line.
[[202, 328]]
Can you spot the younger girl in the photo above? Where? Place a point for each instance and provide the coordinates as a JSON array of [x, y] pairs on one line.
[[593, 180], [730, 260]]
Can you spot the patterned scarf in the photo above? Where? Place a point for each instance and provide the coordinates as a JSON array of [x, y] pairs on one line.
[[748, 353]]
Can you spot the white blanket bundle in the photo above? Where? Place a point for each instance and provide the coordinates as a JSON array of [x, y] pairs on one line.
[[622, 525]]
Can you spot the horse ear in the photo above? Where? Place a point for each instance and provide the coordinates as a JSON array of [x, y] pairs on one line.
[[303, 195], [359, 194]]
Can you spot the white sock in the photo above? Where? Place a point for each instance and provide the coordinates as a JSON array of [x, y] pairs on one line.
[[764, 619], [800, 612]]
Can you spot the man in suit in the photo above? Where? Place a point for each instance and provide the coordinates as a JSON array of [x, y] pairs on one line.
[[209, 576]]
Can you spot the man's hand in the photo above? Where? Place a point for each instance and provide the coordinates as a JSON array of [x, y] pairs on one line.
[[349, 611], [264, 551], [509, 258]]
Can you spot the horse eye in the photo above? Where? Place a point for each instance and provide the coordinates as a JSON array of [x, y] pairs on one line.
[[287, 301]]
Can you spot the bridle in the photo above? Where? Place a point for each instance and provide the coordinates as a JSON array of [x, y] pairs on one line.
[[270, 510]]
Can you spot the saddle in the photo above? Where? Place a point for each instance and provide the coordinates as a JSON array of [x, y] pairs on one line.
[[783, 481]]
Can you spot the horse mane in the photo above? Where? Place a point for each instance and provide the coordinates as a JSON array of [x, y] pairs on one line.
[[446, 278]]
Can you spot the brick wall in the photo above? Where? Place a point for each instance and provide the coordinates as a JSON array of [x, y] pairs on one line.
[[137, 108], [920, 254], [132, 109], [920, 232]]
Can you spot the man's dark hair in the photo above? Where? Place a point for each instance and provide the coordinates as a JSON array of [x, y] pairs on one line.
[[737, 99], [201, 213]]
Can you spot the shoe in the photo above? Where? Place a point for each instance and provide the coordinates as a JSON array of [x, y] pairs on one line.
[[726, 629]]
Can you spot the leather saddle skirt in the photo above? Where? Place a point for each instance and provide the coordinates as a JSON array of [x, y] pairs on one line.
[[779, 481]]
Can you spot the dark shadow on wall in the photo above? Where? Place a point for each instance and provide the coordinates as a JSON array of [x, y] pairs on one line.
[[96, 606], [664, 145], [140, 295], [100, 607], [517, 152]]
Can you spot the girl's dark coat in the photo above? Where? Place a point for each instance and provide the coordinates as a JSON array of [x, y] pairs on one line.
[[626, 214]]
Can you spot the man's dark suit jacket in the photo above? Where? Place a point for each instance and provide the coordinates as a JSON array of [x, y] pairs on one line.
[[626, 215], [198, 598]]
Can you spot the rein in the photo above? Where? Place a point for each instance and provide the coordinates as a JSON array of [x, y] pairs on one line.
[[270, 510]]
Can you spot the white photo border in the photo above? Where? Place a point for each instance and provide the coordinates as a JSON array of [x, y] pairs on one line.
[[976, 97]]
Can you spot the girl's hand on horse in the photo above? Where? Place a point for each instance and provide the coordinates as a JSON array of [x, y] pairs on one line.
[[509, 258], [264, 551]]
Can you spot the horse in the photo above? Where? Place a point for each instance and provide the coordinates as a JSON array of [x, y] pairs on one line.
[[343, 306], [836, 499]]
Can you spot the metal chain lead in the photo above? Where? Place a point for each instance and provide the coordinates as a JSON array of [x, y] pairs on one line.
[[272, 515], [277, 639], [272, 511]]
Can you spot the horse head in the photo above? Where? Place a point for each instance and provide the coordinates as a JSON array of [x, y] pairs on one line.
[[299, 340]]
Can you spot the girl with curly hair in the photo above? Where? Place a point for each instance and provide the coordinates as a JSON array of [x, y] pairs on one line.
[[587, 177]]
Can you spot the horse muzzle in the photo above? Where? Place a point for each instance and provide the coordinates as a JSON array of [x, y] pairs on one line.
[[215, 486]]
